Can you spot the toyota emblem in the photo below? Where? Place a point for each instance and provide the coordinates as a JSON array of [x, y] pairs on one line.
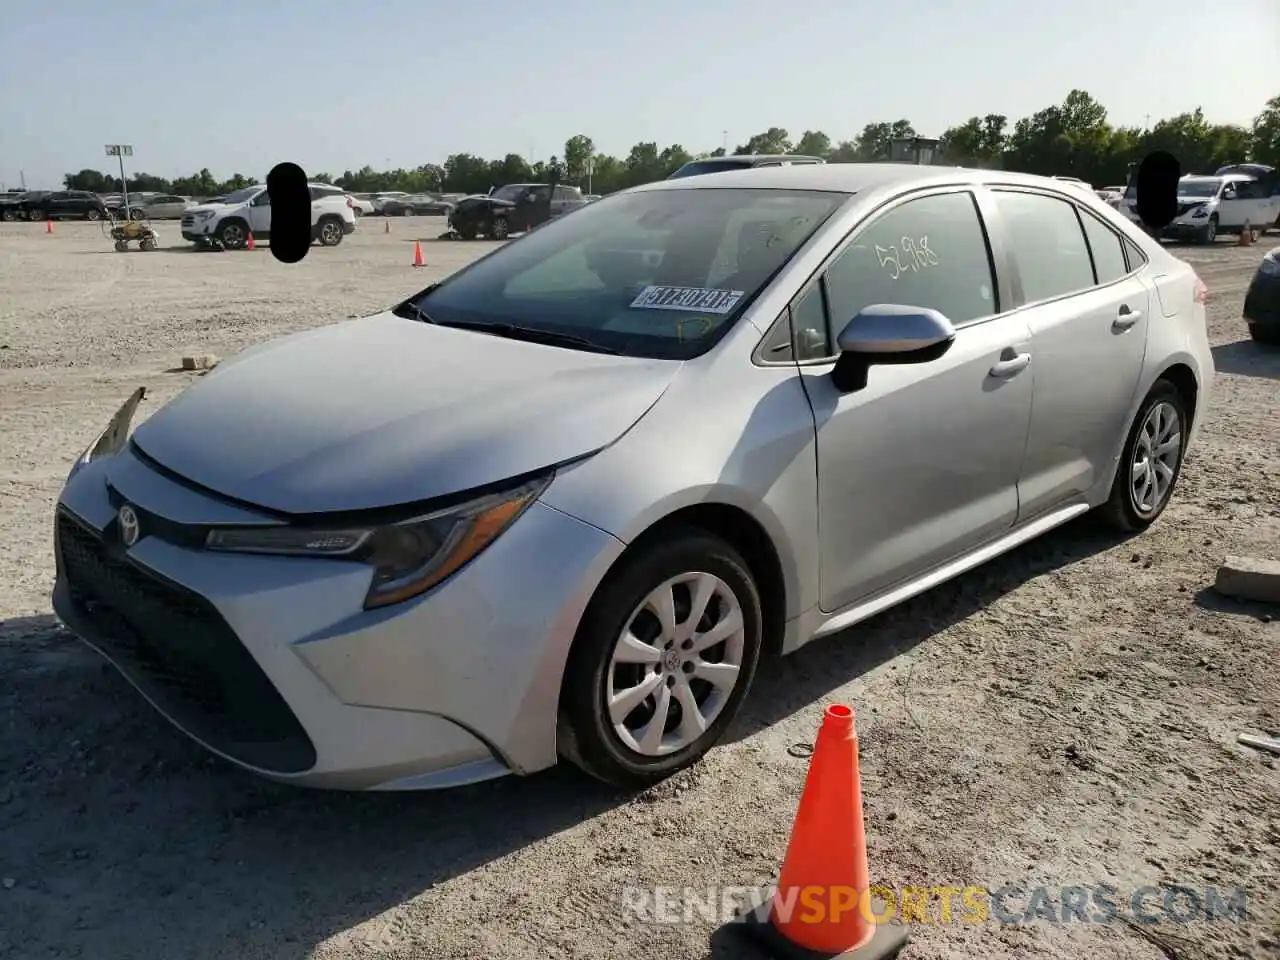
[[129, 526]]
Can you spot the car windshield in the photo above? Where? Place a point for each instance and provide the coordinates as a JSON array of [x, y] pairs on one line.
[[512, 191], [709, 166], [242, 195], [658, 273], [1199, 188]]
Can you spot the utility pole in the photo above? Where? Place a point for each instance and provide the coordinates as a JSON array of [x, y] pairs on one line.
[[591, 167], [120, 151], [22, 175], [724, 141]]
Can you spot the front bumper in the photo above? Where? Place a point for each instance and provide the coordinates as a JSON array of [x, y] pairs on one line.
[[273, 664], [1262, 301]]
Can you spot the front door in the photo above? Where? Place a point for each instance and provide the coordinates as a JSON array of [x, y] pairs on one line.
[[922, 463], [1089, 316]]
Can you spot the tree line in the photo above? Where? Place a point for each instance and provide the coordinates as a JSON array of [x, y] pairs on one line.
[[1072, 138]]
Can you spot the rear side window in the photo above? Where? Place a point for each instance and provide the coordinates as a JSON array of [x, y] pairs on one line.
[[1108, 251], [929, 252], [1048, 244], [1133, 253]]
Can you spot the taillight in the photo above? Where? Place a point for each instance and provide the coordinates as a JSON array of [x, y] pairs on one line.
[[351, 203], [1201, 292]]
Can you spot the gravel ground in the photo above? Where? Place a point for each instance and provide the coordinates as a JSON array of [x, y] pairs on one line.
[[1064, 716]]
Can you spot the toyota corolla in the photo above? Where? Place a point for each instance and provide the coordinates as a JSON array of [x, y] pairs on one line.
[[562, 503]]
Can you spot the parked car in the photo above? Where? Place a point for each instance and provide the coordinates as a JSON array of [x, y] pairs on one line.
[[229, 224], [362, 206], [1076, 182], [380, 200], [514, 208], [561, 502], [742, 162], [64, 205], [161, 206], [416, 205], [17, 207], [1208, 206], [1262, 300]]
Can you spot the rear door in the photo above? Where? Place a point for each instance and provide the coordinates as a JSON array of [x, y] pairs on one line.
[[1088, 313]]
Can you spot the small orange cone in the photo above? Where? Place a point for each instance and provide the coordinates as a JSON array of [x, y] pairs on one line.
[[48, 225], [418, 260], [1246, 236], [822, 906], [251, 245]]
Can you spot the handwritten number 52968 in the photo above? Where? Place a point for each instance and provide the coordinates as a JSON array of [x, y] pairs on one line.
[[909, 255]]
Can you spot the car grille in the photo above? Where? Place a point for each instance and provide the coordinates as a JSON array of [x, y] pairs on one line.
[[181, 653], [188, 220], [1186, 207]]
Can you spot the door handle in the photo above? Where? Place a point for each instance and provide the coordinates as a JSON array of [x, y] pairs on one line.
[[1011, 367], [1126, 318]]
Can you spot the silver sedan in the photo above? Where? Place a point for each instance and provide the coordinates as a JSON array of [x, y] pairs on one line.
[[564, 502]]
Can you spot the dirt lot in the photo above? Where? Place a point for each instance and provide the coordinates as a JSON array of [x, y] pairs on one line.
[[1065, 716]]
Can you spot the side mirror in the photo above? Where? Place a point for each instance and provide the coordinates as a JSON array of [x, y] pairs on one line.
[[889, 333]]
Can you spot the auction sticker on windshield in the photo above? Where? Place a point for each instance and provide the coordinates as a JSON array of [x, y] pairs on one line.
[[700, 299]]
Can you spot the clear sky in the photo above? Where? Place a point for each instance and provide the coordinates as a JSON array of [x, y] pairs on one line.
[[239, 86]]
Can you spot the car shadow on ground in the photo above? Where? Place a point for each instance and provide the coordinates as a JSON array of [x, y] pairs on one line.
[[1247, 358], [813, 672], [109, 812]]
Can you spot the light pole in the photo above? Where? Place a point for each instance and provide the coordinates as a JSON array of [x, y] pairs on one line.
[[120, 151], [591, 167]]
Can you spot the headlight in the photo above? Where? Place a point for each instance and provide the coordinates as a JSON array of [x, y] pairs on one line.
[[1200, 212], [111, 440], [408, 558], [204, 214]]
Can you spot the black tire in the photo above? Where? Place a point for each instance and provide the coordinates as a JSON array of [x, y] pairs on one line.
[[34, 215], [1268, 335], [233, 234], [1121, 510], [329, 231], [586, 738], [121, 246], [500, 229], [8, 215], [147, 244], [467, 233], [93, 214], [1209, 234]]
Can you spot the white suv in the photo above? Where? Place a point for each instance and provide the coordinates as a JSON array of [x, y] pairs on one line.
[[228, 224], [1208, 206]]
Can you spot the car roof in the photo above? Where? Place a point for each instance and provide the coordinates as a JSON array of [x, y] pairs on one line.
[[847, 178]]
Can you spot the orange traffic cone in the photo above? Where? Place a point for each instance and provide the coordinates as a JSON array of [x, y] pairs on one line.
[[250, 245], [48, 225], [1246, 236], [418, 260], [822, 906]]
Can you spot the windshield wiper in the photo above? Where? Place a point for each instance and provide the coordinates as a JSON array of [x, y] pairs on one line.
[[532, 334], [412, 311]]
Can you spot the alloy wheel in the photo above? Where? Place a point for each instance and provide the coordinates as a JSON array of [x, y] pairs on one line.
[[676, 664], [1155, 458]]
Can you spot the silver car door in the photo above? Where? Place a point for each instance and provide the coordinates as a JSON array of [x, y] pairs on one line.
[[1089, 316], [922, 463]]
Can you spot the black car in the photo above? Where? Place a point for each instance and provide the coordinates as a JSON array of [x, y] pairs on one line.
[[418, 205], [65, 204], [1262, 302], [515, 208], [696, 168], [11, 208]]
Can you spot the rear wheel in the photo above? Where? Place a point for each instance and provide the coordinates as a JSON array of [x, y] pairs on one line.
[[329, 231], [121, 246], [500, 229], [663, 658], [147, 244], [8, 215], [93, 214], [35, 214], [1152, 461]]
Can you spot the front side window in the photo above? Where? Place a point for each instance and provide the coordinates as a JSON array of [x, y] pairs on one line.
[[1048, 243], [930, 252], [658, 273]]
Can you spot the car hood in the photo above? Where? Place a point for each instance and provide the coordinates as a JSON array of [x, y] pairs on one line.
[[385, 411]]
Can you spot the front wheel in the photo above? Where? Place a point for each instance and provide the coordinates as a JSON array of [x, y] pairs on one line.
[[34, 215], [121, 246], [663, 658], [1152, 461], [1209, 232], [500, 229], [233, 234]]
